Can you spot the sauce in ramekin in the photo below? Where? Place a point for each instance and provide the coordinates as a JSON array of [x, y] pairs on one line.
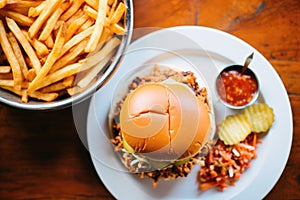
[[236, 88]]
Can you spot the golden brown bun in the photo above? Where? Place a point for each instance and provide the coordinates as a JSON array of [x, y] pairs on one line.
[[164, 121]]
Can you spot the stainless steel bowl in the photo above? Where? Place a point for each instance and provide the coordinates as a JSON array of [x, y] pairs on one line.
[[15, 101]]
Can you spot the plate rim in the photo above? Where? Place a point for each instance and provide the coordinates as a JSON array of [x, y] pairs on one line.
[[236, 39]]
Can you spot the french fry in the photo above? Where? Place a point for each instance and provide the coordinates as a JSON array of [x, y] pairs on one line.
[[117, 29], [85, 81], [79, 13], [46, 12], [69, 81], [35, 11], [23, 41], [48, 28], [92, 3], [78, 38], [53, 56], [2, 3], [99, 24], [113, 7], [5, 69], [60, 74], [74, 7], [90, 12], [118, 14], [91, 61], [25, 4], [86, 25], [31, 74], [6, 47], [110, 2], [9, 83], [76, 89], [53, 88], [75, 25], [24, 96], [49, 41], [44, 96], [19, 18], [41, 48], [114, 27], [63, 61], [18, 54]]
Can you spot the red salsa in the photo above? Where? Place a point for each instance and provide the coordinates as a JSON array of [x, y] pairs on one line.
[[236, 88]]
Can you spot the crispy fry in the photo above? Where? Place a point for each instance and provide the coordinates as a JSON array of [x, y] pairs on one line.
[[78, 38], [6, 47], [44, 96], [90, 12], [117, 29], [118, 14], [93, 3], [75, 25], [49, 41], [86, 25], [76, 89], [113, 7], [9, 83], [31, 74], [35, 11], [114, 27], [23, 41], [53, 56], [79, 13], [110, 2], [18, 54], [52, 20], [60, 74], [69, 57], [19, 18], [22, 4], [85, 81], [100, 55], [54, 87], [4, 69], [95, 37], [41, 48], [2, 3], [46, 12], [69, 81], [75, 6]]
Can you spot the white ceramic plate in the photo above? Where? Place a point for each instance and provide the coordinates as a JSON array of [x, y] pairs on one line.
[[208, 51]]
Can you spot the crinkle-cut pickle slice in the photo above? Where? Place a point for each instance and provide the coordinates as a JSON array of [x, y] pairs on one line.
[[260, 116], [234, 129]]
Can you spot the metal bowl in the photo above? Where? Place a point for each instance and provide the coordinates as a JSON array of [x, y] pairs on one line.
[[15, 101]]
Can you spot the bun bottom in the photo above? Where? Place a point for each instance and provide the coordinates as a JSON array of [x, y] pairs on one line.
[[143, 168]]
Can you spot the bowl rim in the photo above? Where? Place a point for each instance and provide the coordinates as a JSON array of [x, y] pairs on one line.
[[67, 102]]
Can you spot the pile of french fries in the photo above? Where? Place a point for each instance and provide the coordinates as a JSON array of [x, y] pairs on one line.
[[57, 48]]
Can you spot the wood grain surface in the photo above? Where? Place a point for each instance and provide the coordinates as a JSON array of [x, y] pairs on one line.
[[41, 155]]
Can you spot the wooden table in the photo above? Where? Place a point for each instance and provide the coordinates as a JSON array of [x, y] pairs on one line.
[[41, 155]]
